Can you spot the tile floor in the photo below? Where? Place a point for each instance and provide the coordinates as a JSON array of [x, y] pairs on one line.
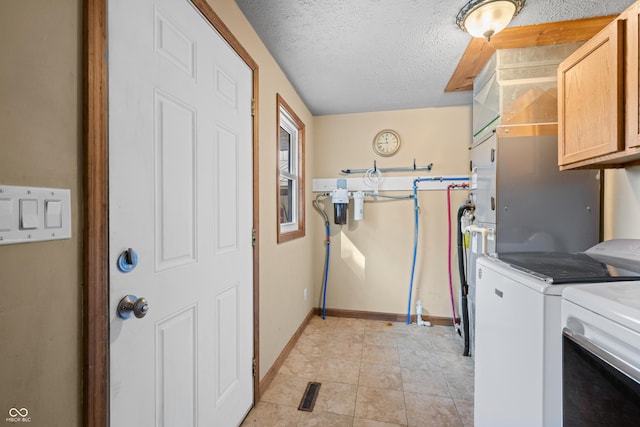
[[373, 373]]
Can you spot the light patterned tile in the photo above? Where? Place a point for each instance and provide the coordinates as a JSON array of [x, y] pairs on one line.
[[425, 381], [324, 419], [465, 410], [431, 411], [348, 335], [442, 331], [401, 328], [286, 390], [301, 365], [415, 329], [380, 354], [461, 386], [319, 322], [312, 345], [336, 398], [339, 370], [266, 414], [455, 363], [383, 339], [381, 405], [381, 376], [416, 342], [437, 381], [418, 359], [448, 344], [379, 326], [344, 350], [361, 422], [351, 323]]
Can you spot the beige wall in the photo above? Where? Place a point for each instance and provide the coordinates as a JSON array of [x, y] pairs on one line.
[[40, 283], [370, 266], [622, 203], [286, 268]]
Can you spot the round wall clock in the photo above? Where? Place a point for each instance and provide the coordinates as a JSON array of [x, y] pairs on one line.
[[386, 143]]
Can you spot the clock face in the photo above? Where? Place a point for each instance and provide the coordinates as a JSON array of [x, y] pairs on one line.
[[386, 143]]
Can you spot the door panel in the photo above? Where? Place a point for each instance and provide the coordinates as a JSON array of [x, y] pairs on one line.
[[176, 369], [180, 142], [175, 182], [227, 201]]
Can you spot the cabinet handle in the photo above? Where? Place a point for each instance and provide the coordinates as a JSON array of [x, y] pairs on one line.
[[498, 292], [493, 155], [493, 203]]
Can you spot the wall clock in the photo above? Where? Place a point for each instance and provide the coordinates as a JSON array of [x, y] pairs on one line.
[[386, 143]]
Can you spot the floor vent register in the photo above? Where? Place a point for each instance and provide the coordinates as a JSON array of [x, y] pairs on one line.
[[309, 397]]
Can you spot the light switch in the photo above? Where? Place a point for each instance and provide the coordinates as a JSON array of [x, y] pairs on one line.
[[28, 214], [34, 214], [6, 210], [53, 214]]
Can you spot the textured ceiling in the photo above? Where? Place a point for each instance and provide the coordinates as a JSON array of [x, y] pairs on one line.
[[353, 56]]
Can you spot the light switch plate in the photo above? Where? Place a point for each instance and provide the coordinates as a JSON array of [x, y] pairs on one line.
[[6, 212], [34, 214]]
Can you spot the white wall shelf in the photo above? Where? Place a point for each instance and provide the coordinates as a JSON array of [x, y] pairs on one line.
[[391, 183]]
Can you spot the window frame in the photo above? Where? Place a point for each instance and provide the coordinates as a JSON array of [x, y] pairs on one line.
[[292, 124]]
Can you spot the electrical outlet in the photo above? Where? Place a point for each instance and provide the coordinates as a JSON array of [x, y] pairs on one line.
[[305, 294]]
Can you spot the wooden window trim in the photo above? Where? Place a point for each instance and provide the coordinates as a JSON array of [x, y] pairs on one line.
[[300, 230]]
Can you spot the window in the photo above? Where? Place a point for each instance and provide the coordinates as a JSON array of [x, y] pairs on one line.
[[290, 173]]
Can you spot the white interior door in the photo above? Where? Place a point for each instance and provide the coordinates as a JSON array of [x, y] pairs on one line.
[[180, 186]]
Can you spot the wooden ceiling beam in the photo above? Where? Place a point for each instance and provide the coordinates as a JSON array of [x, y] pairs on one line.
[[479, 51]]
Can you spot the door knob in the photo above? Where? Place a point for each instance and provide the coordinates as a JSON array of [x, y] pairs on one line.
[[132, 304]]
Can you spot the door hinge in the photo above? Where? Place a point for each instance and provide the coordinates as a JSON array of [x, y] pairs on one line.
[[255, 367], [253, 237], [253, 106]]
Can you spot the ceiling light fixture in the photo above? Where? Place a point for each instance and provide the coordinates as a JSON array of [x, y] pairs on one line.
[[484, 18]]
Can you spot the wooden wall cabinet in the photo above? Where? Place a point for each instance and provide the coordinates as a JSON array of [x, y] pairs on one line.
[[598, 102], [632, 80]]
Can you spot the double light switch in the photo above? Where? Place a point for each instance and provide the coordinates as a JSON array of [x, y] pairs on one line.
[[29, 214]]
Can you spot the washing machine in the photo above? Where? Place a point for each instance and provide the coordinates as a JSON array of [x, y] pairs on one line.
[[518, 364], [601, 355]]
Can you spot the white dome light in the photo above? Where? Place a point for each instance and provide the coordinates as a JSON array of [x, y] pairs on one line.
[[484, 18]]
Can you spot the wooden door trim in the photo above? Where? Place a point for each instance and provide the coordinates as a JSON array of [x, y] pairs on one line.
[[95, 275]]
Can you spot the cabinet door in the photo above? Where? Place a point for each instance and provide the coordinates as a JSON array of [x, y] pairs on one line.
[[633, 78], [591, 98]]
